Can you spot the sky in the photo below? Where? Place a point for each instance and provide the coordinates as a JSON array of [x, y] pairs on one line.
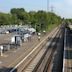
[[61, 7]]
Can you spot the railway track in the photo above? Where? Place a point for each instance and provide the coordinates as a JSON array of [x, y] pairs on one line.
[[34, 64], [50, 59], [31, 56], [57, 58], [47, 57]]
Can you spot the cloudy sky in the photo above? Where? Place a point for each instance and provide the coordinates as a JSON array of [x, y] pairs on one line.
[[61, 7]]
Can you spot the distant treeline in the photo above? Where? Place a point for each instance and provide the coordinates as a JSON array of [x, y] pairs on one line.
[[39, 20]]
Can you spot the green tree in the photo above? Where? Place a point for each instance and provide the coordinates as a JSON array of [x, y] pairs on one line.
[[21, 14], [5, 19], [41, 18]]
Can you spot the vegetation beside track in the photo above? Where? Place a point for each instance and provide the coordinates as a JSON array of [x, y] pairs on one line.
[[40, 20]]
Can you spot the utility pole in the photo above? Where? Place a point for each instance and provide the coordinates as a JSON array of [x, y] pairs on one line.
[[52, 8], [47, 5]]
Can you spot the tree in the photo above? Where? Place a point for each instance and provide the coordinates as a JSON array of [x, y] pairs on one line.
[[5, 19], [21, 14], [40, 20], [41, 17]]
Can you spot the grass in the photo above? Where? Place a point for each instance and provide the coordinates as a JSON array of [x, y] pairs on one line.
[[51, 26]]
